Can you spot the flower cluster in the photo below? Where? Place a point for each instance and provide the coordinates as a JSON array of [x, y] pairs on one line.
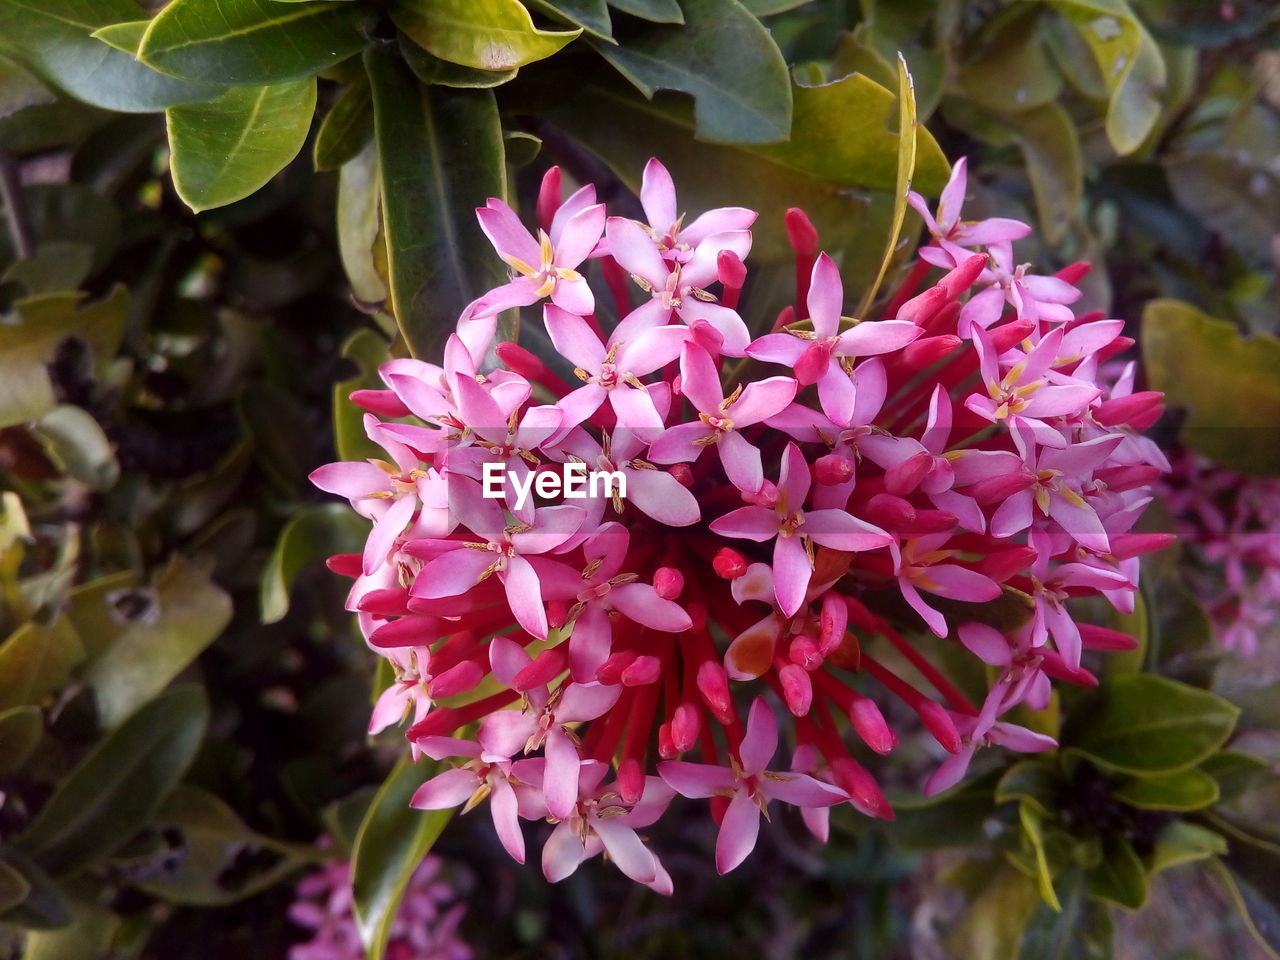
[[794, 504], [425, 928], [1230, 523]]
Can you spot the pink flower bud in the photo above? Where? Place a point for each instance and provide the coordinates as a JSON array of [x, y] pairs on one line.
[[730, 270], [713, 684], [804, 653], [834, 621], [892, 513], [683, 474], [382, 402], [862, 788], [832, 469], [545, 667], [797, 689], [520, 360], [1073, 273], [813, 363], [459, 678], [927, 351], [963, 277], [1122, 411], [643, 670], [1006, 337], [668, 582], [610, 672], [666, 748], [729, 563], [766, 496], [1095, 637], [939, 723], [921, 308], [548, 198], [801, 233], [557, 613], [869, 723], [686, 724], [630, 780]]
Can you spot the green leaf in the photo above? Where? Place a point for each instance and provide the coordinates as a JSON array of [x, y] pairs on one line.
[[1081, 930], [54, 39], [1189, 789], [1257, 906], [44, 907], [368, 351], [862, 149], [88, 936], [391, 843], [1006, 67], [1235, 771], [117, 788], [1120, 878], [655, 11], [213, 840], [482, 34], [188, 613], [1129, 62], [36, 660], [433, 70], [77, 445], [1230, 385], [20, 731], [13, 887], [1145, 724], [1033, 831], [1035, 782], [906, 168], [440, 156], [765, 8], [42, 323], [992, 926], [723, 58], [1047, 138], [359, 226], [250, 41], [229, 147], [950, 819], [1183, 842], [591, 15], [125, 37], [70, 213], [56, 267], [311, 535], [347, 128]]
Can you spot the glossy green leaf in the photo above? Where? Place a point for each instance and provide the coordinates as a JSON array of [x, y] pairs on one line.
[[187, 613], [723, 58], [521, 148], [950, 819], [227, 148], [391, 843], [1047, 137], [359, 227], [1183, 790], [54, 39], [310, 535], [655, 11], [368, 351], [862, 149], [1235, 771], [1130, 63], [114, 791], [1006, 66], [213, 839], [440, 156], [125, 37], [591, 15], [482, 34], [1229, 384], [997, 914], [44, 907], [1145, 724], [906, 168], [76, 444], [250, 41], [20, 731], [88, 936], [1033, 832], [1120, 878], [13, 887], [346, 129], [1184, 842], [42, 323], [433, 70], [1035, 782], [36, 660]]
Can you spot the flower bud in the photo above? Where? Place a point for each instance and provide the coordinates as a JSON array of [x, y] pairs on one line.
[[833, 621], [610, 672], [869, 723], [668, 582], [683, 474], [729, 563], [766, 496], [686, 724], [713, 684], [801, 233], [804, 653], [864, 792], [892, 513], [520, 360], [938, 722], [545, 667], [813, 363], [797, 689], [832, 469], [643, 670], [382, 402], [630, 780], [459, 678], [927, 351]]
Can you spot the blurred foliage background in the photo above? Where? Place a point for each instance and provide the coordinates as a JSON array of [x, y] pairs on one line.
[[221, 215]]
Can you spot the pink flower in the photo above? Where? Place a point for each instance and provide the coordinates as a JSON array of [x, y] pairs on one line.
[[675, 240], [964, 233], [749, 787]]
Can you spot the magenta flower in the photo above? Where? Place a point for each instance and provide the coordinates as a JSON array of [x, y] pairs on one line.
[[964, 233], [749, 787], [721, 419], [825, 356], [582, 654]]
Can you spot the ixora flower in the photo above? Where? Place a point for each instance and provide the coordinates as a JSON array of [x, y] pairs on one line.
[[801, 519]]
